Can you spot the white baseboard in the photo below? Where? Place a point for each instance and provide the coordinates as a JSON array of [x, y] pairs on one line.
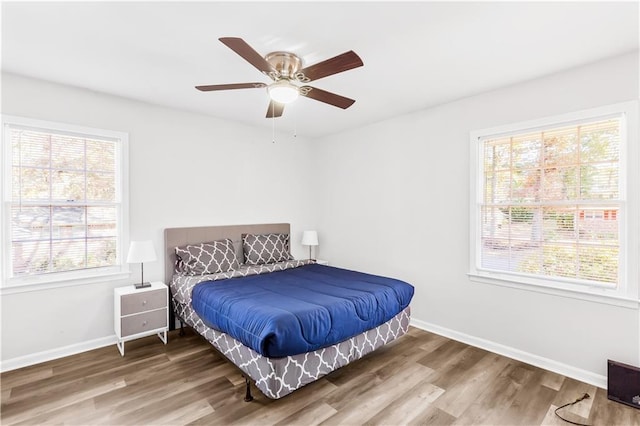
[[545, 363], [37, 358]]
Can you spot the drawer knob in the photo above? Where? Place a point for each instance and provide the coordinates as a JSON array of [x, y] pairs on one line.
[[144, 302], [144, 323]]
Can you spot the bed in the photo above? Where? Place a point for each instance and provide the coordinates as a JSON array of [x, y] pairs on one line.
[[278, 368]]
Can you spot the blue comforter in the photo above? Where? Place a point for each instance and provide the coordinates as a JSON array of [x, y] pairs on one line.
[[301, 309]]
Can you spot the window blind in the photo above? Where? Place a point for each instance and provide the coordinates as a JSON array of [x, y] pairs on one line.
[[551, 202], [64, 202]]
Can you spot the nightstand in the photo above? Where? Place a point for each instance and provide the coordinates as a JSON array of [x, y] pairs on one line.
[[322, 262], [140, 312]]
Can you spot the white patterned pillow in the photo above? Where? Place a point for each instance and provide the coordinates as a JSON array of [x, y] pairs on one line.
[[207, 258], [265, 248]]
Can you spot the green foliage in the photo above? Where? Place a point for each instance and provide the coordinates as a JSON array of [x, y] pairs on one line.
[[588, 263], [518, 214], [564, 221]]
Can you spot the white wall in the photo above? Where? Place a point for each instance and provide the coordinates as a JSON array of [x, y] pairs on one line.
[[391, 198], [185, 170], [394, 199]]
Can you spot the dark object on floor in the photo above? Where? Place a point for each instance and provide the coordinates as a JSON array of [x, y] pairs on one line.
[[623, 383]]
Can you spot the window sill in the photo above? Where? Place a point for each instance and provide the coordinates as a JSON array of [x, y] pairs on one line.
[[24, 287], [595, 295]]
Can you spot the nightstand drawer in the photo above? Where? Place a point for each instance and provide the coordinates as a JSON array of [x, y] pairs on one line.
[[146, 321], [142, 302]]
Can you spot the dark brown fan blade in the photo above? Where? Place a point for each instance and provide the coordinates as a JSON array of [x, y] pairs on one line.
[[340, 63], [275, 109], [239, 46], [326, 97], [230, 86]]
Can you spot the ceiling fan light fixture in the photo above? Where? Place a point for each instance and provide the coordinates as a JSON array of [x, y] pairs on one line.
[[283, 92]]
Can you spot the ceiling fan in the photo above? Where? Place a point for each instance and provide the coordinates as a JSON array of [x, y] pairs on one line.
[[285, 69]]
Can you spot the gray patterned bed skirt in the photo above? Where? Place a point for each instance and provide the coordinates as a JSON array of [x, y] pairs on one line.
[[277, 377]]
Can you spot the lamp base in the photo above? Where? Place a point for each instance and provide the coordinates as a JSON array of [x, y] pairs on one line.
[[142, 285]]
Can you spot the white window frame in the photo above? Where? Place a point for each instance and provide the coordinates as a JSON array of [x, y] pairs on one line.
[[626, 293], [68, 278]]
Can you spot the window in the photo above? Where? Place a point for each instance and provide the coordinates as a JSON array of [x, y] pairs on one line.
[[64, 203], [550, 202]]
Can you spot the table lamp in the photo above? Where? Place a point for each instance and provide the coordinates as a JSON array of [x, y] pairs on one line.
[[310, 238], [140, 252]]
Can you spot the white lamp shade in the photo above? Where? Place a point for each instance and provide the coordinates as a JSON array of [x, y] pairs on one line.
[[141, 251], [309, 238]]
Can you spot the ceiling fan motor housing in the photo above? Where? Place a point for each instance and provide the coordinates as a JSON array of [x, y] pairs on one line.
[[285, 63]]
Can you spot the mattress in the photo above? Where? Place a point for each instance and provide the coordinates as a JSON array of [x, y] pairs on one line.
[[299, 310]]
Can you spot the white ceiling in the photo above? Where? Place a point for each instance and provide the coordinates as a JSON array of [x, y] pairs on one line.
[[416, 54]]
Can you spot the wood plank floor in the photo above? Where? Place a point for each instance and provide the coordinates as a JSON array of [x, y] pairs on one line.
[[422, 378]]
